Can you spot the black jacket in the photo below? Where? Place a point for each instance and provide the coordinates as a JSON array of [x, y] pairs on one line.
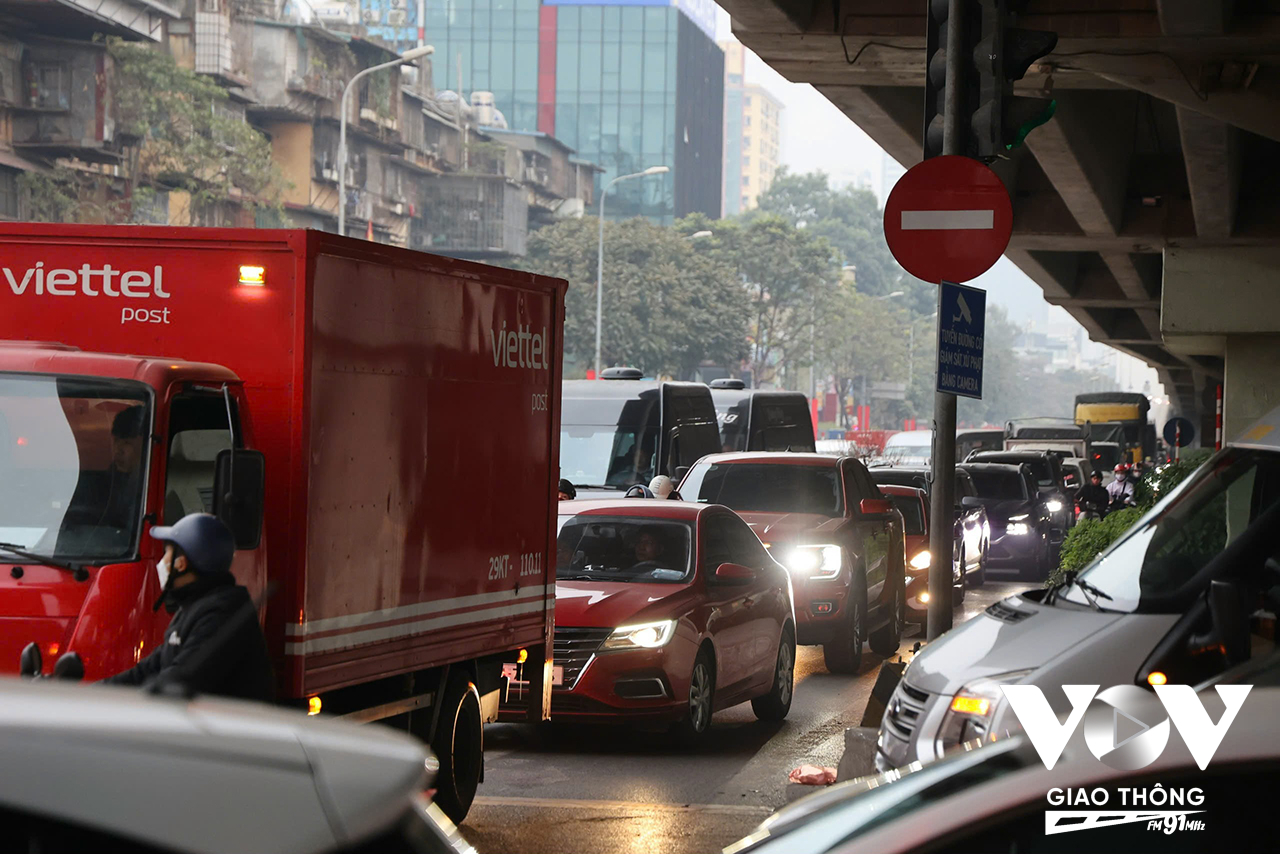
[[213, 646], [1095, 495]]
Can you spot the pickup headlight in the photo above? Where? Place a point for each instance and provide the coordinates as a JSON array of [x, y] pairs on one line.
[[972, 709], [641, 636], [921, 560], [1053, 505], [822, 561]]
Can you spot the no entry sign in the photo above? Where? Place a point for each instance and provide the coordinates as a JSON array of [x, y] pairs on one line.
[[948, 219]]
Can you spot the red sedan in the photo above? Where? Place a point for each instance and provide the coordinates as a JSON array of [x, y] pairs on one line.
[[666, 612]]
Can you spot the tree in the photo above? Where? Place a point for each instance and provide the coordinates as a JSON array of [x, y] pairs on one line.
[[178, 135], [667, 308], [785, 273], [862, 340]]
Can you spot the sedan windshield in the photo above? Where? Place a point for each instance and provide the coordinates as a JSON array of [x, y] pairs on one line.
[[611, 548], [1163, 552], [998, 485], [73, 456], [766, 488]]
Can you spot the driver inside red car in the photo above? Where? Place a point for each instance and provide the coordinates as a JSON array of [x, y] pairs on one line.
[[648, 546]]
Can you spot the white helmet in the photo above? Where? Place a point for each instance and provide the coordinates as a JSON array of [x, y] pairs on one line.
[[661, 486]]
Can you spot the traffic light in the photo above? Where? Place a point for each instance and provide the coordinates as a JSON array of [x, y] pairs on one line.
[[991, 120], [1001, 120]]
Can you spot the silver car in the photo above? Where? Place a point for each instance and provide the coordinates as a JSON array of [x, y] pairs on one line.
[[95, 769]]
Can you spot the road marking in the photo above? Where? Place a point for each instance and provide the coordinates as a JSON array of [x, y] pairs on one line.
[[947, 220], [574, 804]]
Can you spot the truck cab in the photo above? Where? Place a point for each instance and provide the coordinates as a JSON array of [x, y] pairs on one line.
[[97, 449]]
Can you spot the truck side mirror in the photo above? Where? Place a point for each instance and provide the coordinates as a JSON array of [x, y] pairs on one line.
[[30, 663], [238, 498], [1229, 630]]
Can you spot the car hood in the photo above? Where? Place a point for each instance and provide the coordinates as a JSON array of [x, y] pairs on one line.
[[606, 604], [788, 527], [1016, 634], [1000, 511]]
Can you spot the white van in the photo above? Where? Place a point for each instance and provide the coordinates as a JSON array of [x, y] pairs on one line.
[[1186, 593], [909, 448]]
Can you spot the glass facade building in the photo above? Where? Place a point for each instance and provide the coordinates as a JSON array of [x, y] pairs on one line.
[[628, 84]]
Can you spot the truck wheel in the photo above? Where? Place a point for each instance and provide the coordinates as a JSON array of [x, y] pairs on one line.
[[459, 747], [775, 705], [843, 653], [885, 640], [690, 729]]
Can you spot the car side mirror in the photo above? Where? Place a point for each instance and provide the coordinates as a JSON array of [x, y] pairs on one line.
[[735, 573], [875, 506], [238, 494], [1229, 629], [69, 667], [30, 663], [970, 502]]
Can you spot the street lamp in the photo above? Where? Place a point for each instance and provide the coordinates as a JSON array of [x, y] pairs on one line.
[[652, 170], [406, 57]]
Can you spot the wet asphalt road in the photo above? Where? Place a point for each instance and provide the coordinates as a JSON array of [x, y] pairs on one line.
[[613, 790]]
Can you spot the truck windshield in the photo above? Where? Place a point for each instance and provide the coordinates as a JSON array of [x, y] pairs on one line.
[[610, 442], [612, 548], [1164, 551], [766, 488], [73, 460]]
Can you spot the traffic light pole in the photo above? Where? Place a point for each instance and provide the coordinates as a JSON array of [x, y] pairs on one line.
[[942, 500]]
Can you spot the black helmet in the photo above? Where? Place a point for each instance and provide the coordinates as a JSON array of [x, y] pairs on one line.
[[208, 544], [568, 488]]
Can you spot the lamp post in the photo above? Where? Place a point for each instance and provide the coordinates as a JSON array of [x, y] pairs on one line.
[[652, 170], [407, 57]]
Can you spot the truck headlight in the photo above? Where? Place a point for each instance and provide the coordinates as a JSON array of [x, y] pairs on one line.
[[972, 709], [641, 636], [821, 561], [921, 560]]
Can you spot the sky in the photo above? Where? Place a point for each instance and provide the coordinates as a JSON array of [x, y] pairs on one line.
[[847, 154]]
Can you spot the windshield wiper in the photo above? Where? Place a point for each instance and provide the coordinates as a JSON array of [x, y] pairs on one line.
[[79, 572], [1092, 593]]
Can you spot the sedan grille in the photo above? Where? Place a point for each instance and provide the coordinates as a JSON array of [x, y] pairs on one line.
[[573, 648], [905, 708]]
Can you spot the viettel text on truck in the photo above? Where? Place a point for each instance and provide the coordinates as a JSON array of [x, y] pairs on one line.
[[378, 426]]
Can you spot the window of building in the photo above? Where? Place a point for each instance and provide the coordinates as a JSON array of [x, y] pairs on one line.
[[746, 180], [53, 86], [746, 121], [8, 194], [746, 201], [746, 160], [746, 101], [746, 142]]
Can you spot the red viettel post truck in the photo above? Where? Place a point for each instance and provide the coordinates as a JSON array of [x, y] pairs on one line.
[[379, 427]]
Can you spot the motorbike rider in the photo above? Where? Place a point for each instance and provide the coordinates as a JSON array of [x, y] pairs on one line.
[[1120, 490], [213, 644], [1093, 496]]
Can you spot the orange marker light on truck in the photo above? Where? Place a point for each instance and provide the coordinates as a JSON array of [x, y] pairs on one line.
[[970, 705], [522, 657], [253, 276], [313, 705], [1155, 677]]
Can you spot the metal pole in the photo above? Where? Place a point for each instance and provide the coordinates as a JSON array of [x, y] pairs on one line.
[[942, 497]]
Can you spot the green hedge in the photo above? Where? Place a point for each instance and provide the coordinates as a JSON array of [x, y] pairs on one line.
[[1090, 538]]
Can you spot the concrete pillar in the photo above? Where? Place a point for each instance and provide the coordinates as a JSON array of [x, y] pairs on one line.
[[1225, 303]]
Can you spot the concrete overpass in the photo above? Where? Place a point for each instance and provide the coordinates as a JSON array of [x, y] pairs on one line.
[[1147, 207]]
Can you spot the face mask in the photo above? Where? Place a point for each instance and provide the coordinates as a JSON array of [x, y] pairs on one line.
[[162, 571]]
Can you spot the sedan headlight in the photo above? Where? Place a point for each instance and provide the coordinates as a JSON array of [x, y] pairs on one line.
[[641, 636], [921, 560], [972, 710], [1053, 505], [822, 561]]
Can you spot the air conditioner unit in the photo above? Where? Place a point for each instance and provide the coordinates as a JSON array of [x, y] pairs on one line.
[[397, 17]]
